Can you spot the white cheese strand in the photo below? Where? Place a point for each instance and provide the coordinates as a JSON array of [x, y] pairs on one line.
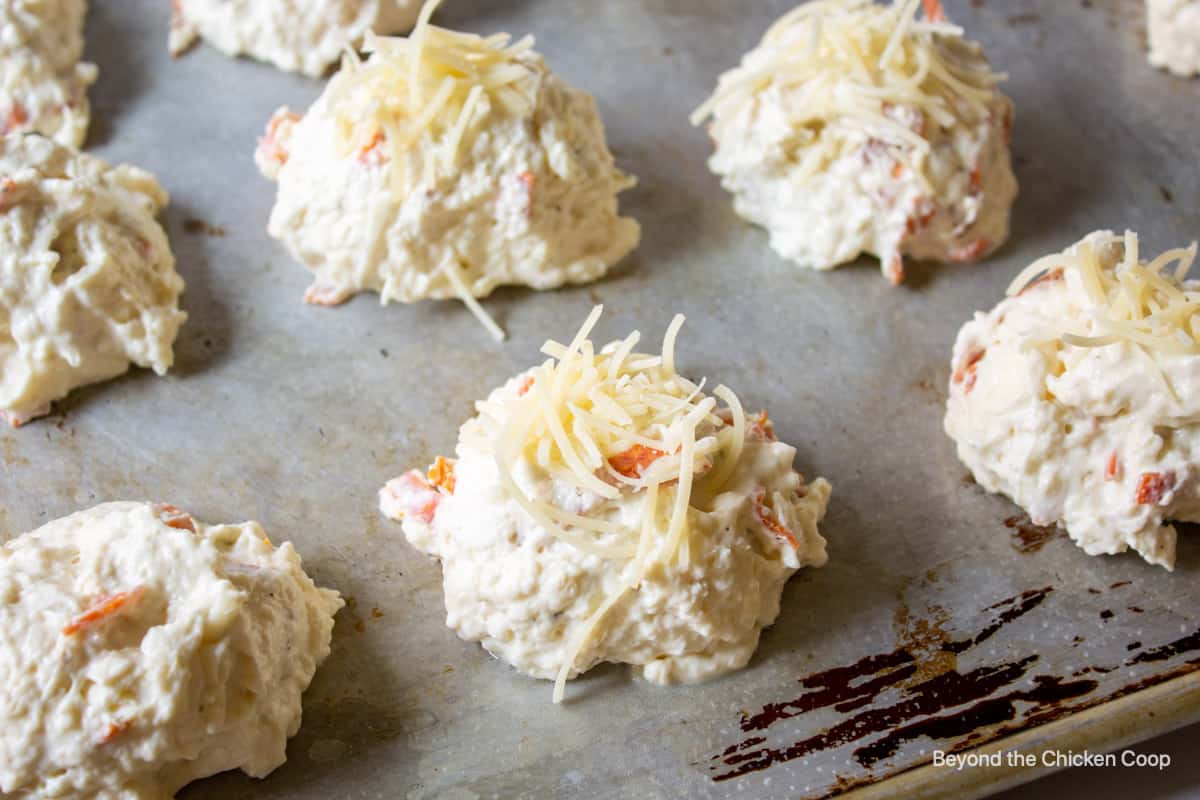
[[429, 85], [1129, 300], [851, 60], [582, 410], [455, 276]]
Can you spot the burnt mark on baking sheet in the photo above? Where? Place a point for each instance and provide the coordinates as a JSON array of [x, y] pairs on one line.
[[1027, 537], [925, 688], [919, 691], [1024, 19], [1008, 610], [199, 227], [1185, 644]]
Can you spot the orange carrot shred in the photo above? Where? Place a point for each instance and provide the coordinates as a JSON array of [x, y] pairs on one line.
[[1153, 485], [102, 609], [114, 730], [441, 474], [967, 371], [174, 517], [633, 461], [1113, 470], [770, 523], [369, 153], [971, 250]]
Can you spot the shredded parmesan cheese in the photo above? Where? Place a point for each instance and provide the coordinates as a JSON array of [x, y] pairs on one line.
[[434, 86], [852, 62], [586, 411], [1130, 300]]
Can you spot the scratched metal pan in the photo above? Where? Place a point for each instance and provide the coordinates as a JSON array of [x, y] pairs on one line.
[[939, 622]]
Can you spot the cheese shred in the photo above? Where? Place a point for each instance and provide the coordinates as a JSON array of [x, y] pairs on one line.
[[435, 85], [854, 61], [611, 423], [1128, 300], [417, 102]]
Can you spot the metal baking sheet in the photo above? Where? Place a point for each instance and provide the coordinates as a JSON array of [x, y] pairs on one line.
[[940, 621]]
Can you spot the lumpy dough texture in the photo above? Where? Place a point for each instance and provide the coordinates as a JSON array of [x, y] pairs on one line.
[[87, 279], [1174, 33], [43, 84], [833, 165], [306, 36], [1099, 439], [526, 594], [529, 197], [141, 649]]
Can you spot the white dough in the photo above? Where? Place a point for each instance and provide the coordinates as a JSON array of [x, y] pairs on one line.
[[43, 84], [834, 165], [525, 594], [87, 278], [1088, 437], [304, 36], [1174, 32], [141, 650], [530, 197]]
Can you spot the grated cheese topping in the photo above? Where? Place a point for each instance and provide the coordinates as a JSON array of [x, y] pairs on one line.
[[433, 86], [616, 423], [844, 65], [1144, 304]]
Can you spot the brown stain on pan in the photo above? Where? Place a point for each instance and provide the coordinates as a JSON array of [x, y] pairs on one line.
[[12, 453], [923, 669], [918, 691], [1027, 537], [1185, 644]]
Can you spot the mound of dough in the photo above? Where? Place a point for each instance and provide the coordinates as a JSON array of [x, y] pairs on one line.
[[304, 36], [602, 508], [141, 649], [1174, 32], [1079, 395], [43, 85], [87, 279], [444, 166], [853, 128]]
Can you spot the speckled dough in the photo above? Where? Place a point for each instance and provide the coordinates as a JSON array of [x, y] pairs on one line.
[[43, 84], [1174, 33], [1072, 434], [533, 201], [87, 278], [141, 649], [296, 35], [523, 593]]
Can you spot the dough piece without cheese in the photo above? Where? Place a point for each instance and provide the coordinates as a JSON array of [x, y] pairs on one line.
[[1079, 395], [484, 177], [1174, 33], [295, 35], [141, 649], [43, 84], [853, 128], [87, 279], [637, 523]]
